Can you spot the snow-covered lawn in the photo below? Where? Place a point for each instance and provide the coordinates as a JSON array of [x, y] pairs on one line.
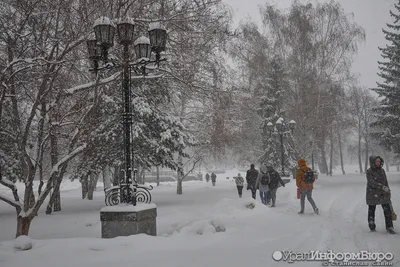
[[207, 226]]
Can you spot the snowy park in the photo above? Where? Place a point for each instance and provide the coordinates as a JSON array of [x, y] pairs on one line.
[[192, 133], [207, 226]]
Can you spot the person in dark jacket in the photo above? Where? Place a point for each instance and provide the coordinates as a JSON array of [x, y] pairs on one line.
[[275, 180], [251, 178], [213, 178], [378, 193], [207, 177]]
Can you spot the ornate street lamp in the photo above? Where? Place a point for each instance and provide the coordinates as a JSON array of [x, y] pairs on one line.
[[104, 31], [282, 128]]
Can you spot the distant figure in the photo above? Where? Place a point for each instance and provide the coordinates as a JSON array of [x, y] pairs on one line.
[[251, 178], [207, 177], [378, 193], [262, 183], [304, 180], [275, 179], [239, 184], [213, 178]]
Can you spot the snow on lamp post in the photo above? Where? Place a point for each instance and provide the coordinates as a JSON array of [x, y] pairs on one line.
[[104, 30]]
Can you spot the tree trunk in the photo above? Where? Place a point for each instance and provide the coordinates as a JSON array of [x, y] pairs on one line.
[[398, 167], [387, 161], [85, 186], [55, 200], [57, 197], [179, 189], [23, 225], [117, 175], [323, 164], [93, 178], [106, 177], [340, 151], [331, 153], [158, 176], [366, 153], [359, 149], [143, 175]]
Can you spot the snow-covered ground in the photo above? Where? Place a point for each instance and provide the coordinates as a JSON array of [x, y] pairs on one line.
[[187, 224]]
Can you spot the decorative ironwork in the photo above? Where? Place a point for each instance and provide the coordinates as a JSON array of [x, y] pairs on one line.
[[113, 194]]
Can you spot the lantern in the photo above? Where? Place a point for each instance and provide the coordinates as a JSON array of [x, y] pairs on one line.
[[125, 31], [270, 126], [158, 37], [279, 125], [93, 49], [292, 125], [142, 48], [104, 30]]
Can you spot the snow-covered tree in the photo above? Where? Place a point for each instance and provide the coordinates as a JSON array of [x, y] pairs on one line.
[[387, 120], [270, 110]]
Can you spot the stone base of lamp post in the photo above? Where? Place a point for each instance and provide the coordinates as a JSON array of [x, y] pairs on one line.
[[126, 220]]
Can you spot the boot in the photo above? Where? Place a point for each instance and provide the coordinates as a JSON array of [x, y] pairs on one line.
[[391, 231], [372, 226]]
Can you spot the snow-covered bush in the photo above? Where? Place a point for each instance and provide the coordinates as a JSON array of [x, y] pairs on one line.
[[23, 242]]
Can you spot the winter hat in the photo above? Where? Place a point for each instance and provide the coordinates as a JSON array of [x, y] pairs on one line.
[[302, 163]]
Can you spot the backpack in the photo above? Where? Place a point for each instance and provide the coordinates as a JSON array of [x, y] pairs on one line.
[[264, 179], [308, 176]]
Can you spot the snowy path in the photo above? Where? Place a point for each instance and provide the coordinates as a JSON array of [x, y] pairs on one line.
[[251, 235]]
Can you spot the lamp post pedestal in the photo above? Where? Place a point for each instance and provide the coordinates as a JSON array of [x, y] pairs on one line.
[[126, 220]]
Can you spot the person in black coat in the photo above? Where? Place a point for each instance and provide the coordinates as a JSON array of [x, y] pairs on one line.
[[251, 178], [213, 178], [378, 193], [273, 184]]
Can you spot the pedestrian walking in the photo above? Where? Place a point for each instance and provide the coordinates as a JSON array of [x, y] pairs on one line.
[[275, 180], [213, 179], [239, 184], [207, 177], [262, 183], [251, 179], [304, 181], [378, 193]]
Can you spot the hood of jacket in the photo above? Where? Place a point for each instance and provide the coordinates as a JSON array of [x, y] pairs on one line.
[[302, 164], [263, 168], [372, 160]]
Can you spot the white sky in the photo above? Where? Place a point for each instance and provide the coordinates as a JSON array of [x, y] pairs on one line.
[[372, 15]]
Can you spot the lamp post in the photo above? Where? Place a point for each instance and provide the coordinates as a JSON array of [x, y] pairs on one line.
[[98, 49], [282, 128]]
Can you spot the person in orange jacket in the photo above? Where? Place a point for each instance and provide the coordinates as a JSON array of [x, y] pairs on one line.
[[305, 188]]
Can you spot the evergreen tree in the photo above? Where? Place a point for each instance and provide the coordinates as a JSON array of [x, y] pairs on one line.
[[270, 110], [387, 123]]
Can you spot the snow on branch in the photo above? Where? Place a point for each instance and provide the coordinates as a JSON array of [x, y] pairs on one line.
[[27, 61], [16, 202], [193, 166], [67, 158], [86, 86], [11, 202]]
